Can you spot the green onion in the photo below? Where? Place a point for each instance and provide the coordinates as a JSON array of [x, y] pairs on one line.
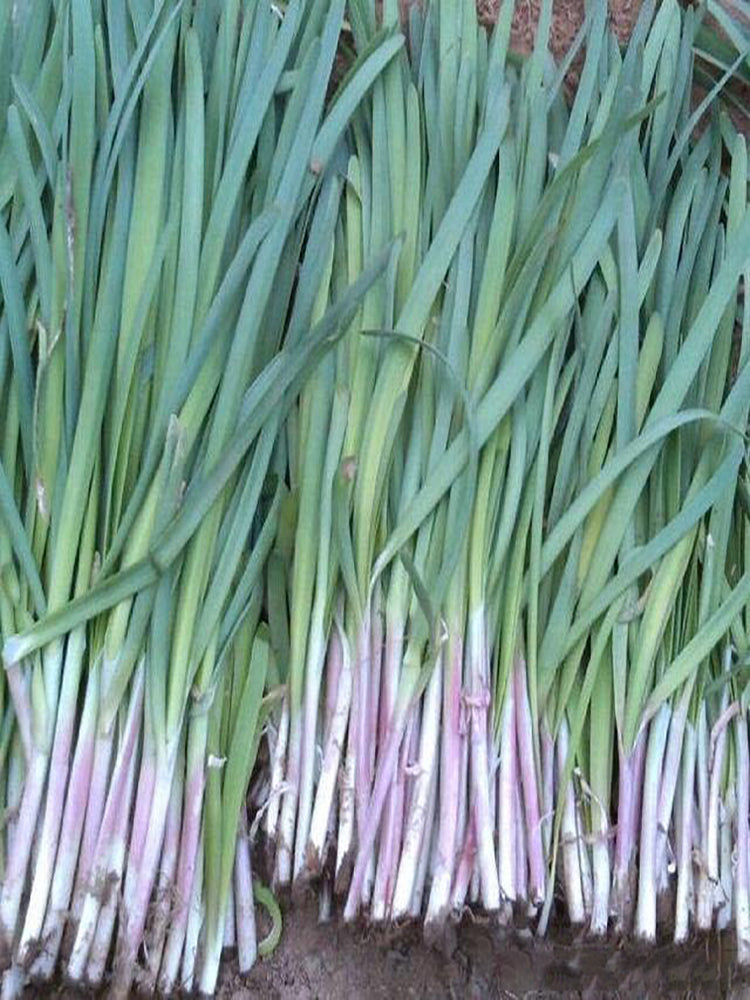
[[373, 486]]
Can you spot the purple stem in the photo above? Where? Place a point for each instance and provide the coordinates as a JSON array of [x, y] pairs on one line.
[[195, 781], [97, 798], [369, 829], [150, 839], [14, 876], [57, 784], [334, 662], [450, 756], [70, 835], [365, 737], [390, 839], [18, 685], [465, 866], [742, 893], [625, 840], [522, 885], [112, 815], [529, 784], [102, 942], [394, 805]]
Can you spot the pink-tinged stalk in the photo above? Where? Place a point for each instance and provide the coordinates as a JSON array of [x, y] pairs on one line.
[[194, 924], [526, 758], [345, 835], [391, 834], [130, 930], [645, 916], [339, 694], [479, 700], [685, 840], [97, 798], [569, 837], [403, 783], [368, 831], [390, 831], [165, 885], [195, 782], [450, 754], [522, 859], [18, 685], [110, 900], [278, 756], [14, 876], [623, 882], [388, 848], [742, 881], [244, 911], [418, 827], [37, 763], [507, 783], [333, 667], [464, 796], [70, 833], [464, 867], [144, 797], [426, 851], [57, 784], [14, 793], [122, 775]]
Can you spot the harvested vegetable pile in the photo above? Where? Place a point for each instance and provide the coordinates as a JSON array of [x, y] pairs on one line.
[[374, 507]]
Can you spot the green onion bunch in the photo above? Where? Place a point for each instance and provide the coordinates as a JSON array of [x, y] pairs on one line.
[[374, 505]]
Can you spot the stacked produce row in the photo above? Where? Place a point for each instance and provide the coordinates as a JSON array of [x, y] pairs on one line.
[[374, 507]]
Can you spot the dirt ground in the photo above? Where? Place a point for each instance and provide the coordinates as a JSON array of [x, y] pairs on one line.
[[332, 962]]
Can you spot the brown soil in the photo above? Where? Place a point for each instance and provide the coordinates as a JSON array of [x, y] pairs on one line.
[[567, 18], [330, 962]]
